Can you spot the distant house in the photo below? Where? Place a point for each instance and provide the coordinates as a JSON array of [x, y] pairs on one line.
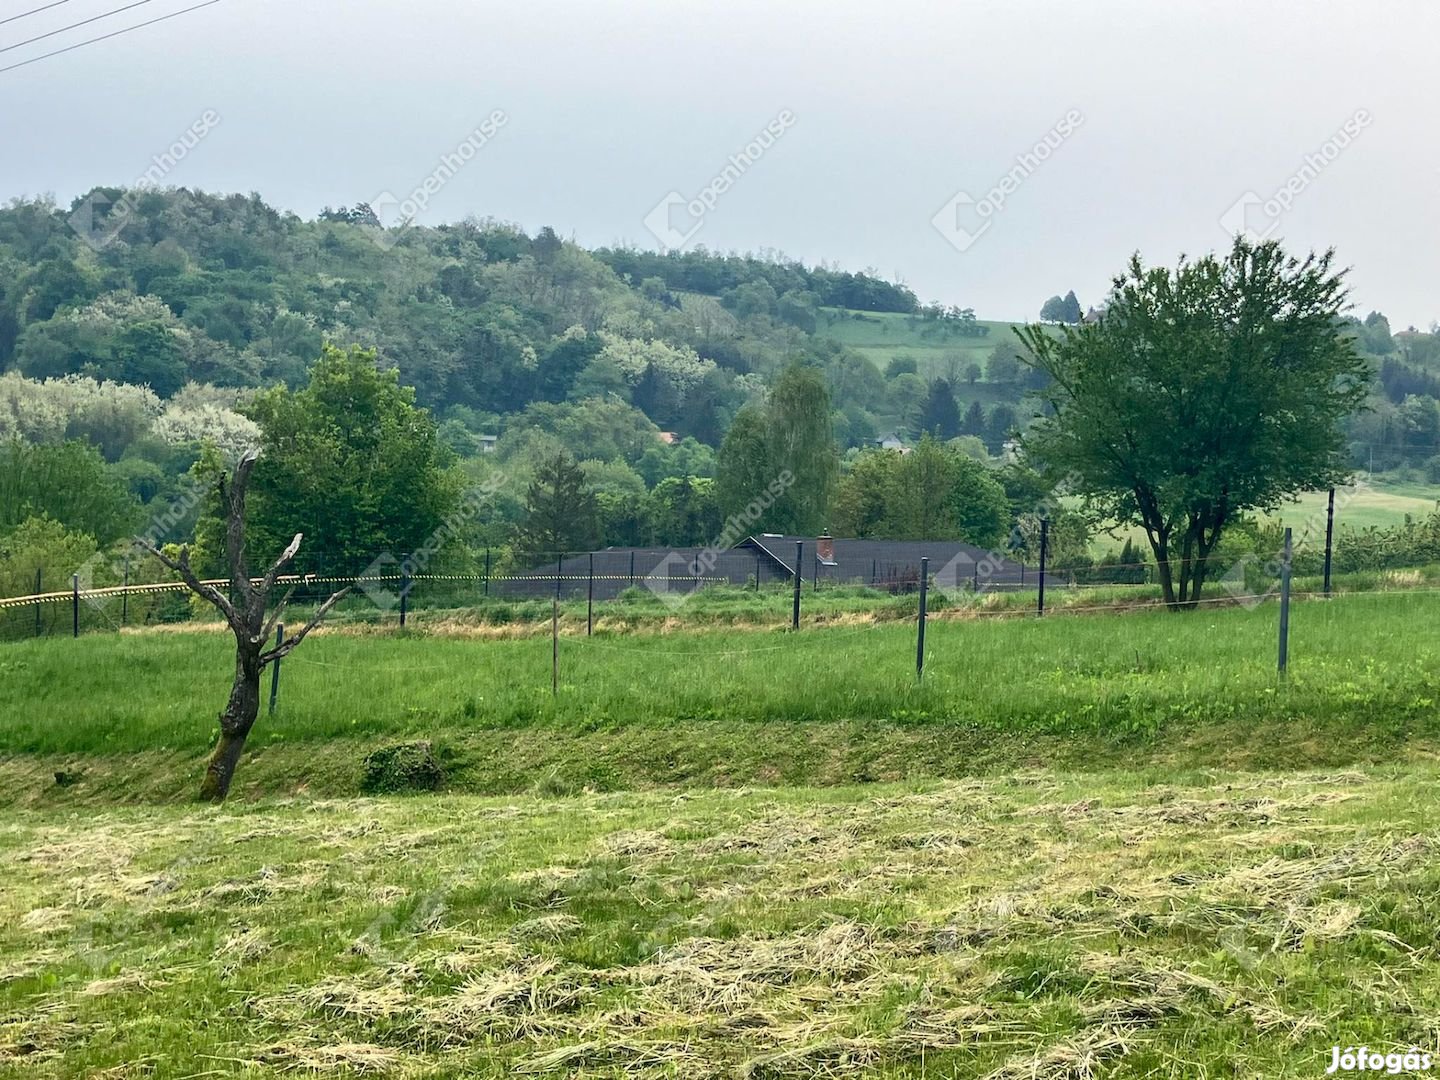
[[768, 558], [886, 563], [487, 443], [669, 438], [891, 442]]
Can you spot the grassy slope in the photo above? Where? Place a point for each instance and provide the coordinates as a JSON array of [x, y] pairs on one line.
[[1130, 925], [133, 714], [882, 336]]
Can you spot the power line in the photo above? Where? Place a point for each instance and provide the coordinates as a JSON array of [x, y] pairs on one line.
[[33, 11], [72, 26], [107, 37]]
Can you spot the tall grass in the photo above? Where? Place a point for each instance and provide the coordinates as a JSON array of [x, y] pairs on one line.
[[1361, 659]]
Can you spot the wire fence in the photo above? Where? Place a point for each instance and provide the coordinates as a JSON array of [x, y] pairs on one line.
[[391, 588]]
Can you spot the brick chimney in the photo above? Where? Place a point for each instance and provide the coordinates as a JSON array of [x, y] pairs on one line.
[[825, 547]]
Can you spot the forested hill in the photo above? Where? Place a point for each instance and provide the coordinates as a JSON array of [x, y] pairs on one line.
[[165, 288], [161, 310]]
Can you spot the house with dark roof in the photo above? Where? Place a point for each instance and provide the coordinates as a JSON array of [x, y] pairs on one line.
[[769, 558], [888, 563]]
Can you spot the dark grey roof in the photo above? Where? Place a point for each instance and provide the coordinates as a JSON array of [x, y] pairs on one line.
[[881, 560]]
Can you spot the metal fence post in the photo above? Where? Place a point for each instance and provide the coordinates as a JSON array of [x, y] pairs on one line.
[[1285, 605], [74, 605], [799, 570], [37, 602], [632, 568], [487, 571], [920, 632], [404, 587], [1044, 550], [1329, 537], [125, 593], [275, 668], [559, 566], [590, 599]]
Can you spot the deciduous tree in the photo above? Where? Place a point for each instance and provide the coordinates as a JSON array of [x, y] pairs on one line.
[[1204, 392]]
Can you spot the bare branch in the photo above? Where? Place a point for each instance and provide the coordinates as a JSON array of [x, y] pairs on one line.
[[181, 566], [274, 618], [233, 499], [284, 648], [270, 575]]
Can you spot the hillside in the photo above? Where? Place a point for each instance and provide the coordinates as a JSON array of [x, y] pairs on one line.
[[143, 323]]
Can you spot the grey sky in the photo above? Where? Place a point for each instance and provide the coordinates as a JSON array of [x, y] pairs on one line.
[[1185, 107]]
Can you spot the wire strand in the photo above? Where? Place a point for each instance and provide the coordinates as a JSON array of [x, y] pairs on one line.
[[33, 11], [75, 25], [105, 37]]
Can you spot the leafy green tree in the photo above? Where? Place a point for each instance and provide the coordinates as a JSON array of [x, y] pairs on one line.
[[561, 511], [934, 492], [908, 394], [861, 500], [941, 414], [1004, 366], [70, 484], [1070, 309], [684, 511], [40, 544], [802, 445], [901, 365], [655, 395], [1376, 334], [1203, 393], [974, 421], [939, 494], [745, 467], [351, 462], [1053, 310], [1000, 425]]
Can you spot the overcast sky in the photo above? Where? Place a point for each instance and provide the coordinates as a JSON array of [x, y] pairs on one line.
[[1179, 113]]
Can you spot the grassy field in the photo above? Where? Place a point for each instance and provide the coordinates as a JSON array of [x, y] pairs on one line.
[[1131, 925], [1382, 505], [882, 336], [132, 714], [1090, 845]]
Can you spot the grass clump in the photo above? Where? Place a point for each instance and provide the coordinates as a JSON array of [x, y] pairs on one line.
[[410, 766]]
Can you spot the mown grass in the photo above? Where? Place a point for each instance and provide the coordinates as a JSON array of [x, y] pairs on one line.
[[1154, 924], [832, 704]]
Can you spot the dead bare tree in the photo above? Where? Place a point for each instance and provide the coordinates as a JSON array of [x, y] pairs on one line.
[[245, 611]]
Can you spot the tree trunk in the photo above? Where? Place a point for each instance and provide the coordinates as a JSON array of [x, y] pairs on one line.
[[1163, 570], [235, 722]]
